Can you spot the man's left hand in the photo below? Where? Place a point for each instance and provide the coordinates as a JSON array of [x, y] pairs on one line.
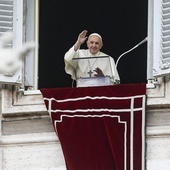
[[98, 72]]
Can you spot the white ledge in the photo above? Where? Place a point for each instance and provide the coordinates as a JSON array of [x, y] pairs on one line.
[[29, 138], [32, 92], [157, 131], [150, 86]]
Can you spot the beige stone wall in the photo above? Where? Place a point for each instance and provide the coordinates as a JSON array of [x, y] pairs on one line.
[[30, 144], [158, 139], [28, 140]]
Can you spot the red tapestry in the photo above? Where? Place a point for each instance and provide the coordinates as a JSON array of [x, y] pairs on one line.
[[100, 128]]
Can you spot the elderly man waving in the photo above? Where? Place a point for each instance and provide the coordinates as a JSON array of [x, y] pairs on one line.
[[90, 67]]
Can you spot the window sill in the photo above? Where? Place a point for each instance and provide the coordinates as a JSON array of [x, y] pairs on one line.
[[14, 102]]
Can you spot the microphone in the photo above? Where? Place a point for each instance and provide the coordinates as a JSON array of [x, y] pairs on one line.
[[143, 41]]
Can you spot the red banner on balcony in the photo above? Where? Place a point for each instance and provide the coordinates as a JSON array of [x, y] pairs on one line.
[[100, 128]]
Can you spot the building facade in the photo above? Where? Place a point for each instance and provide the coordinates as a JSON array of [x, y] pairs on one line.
[[27, 137]]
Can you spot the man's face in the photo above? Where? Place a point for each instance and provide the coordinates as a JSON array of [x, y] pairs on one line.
[[94, 44]]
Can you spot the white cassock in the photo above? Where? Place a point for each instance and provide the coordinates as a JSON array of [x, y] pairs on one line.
[[81, 68]]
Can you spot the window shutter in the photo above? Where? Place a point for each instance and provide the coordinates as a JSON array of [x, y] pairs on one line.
[[11, 19], [161, 65]]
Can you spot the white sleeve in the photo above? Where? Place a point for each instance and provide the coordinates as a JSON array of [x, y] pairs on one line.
[[69, 55]]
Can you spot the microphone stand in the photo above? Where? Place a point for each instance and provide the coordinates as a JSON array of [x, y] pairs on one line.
[[143, 41]]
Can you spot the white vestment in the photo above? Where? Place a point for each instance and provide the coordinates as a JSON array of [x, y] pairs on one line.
[[82, 67]]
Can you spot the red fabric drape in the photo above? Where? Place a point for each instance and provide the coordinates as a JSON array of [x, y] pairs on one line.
[[99, 128]]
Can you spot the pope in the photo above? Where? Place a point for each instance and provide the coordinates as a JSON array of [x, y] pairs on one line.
[[97, 66]]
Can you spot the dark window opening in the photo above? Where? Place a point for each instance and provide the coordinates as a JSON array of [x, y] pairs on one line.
[[121, 24]]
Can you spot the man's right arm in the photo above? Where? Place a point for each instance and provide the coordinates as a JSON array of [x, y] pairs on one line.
[[77, 46], [80, 40], [70, 54]]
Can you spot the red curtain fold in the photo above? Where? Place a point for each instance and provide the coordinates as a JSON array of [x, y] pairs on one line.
[[99, 128]]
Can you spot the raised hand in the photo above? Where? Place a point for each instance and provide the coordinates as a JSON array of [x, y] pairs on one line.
[[80, 40], [82, 37]]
